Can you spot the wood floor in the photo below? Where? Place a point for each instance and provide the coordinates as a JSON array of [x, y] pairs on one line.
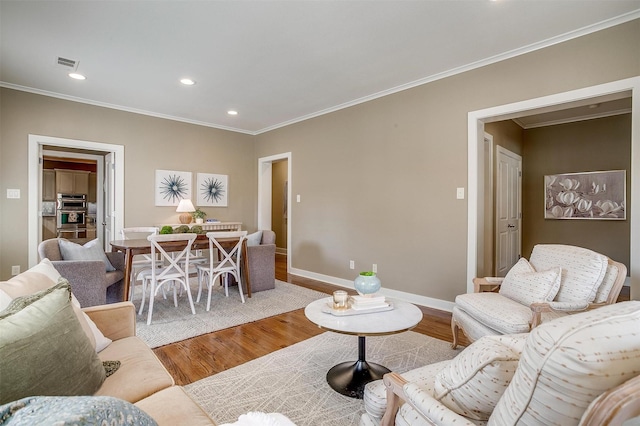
[[202, 356]]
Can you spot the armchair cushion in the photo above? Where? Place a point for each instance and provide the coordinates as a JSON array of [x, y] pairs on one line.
[[568, 362], [90, 251], [254, 239], [494, 311], [524, 285], [44, 350], [582, 270]]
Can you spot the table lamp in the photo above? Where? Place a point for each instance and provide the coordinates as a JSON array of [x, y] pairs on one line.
[[185, 207]]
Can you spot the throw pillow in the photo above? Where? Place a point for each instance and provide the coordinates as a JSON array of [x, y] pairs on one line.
[[524, 285], [43, 349], [254, 239], [74, 410], [90, 251], [473, 382]]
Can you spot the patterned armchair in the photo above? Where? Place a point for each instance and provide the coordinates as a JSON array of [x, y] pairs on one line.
[[580, 369], [558, 280]]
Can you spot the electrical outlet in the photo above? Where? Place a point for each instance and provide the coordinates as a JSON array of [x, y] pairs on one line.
[[374, 269], [460, 193], [15, 269], [352, 264]]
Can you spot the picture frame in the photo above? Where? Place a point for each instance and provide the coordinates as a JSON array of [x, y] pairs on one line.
[[212, 190], [600, 195], [171, 187]]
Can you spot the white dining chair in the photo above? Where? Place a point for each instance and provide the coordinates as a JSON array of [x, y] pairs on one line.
[[177, 271], [143, 261], [228, 246]]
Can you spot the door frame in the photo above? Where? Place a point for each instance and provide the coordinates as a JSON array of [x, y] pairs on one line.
[[475, 127], [36, 143], [265, 180]]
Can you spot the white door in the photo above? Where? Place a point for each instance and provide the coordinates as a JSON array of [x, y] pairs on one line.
[[508, 210], [109, 201]]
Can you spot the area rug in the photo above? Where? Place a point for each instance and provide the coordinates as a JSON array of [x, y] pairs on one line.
[[292, 381], [170, 324]]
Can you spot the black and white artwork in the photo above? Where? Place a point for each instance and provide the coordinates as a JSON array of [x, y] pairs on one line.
[[171, 187], [587, 195], [213, 190]]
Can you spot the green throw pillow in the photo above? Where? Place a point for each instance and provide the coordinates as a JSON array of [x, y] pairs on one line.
[[43, 349]]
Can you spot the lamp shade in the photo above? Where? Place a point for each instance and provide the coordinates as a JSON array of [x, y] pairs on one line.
[[185, 207]]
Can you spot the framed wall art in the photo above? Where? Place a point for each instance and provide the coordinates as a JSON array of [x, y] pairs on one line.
[[171, 187], [587, 195], [213, 190]]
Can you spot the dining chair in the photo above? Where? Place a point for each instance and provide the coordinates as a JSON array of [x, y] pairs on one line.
[[143, 261], [177, 270], [229, 248]]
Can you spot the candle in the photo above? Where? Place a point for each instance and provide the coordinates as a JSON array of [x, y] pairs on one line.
[[340, 298]]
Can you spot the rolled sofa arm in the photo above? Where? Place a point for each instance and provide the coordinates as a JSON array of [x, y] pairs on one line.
[[116, 320], [86, 278]]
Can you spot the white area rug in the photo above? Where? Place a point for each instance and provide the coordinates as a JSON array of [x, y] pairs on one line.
[[171, 324], [292, 381]]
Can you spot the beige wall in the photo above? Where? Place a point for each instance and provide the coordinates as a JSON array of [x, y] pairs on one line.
[[149, 144], [377, 181], [594, 145]]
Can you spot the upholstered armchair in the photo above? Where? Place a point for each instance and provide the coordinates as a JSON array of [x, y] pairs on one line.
[[90, 281], [261, 260], [558, 280], [578, 369]]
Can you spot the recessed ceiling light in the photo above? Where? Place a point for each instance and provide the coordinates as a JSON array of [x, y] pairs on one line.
[[77, 76], [187, 82], [232, 112]]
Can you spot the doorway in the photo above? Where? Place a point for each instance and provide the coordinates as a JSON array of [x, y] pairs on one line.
[[265, 196], [35, 189], [476, 119]]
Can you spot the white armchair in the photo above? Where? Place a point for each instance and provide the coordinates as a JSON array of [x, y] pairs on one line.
[[558, 280], [568, 371]]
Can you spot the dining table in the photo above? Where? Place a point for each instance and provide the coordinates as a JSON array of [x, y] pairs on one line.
[[138, 246]]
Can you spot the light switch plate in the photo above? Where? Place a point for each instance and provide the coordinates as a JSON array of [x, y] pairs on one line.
[[13, 193]]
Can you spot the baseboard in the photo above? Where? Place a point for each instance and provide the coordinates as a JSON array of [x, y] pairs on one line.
[[416, 299]]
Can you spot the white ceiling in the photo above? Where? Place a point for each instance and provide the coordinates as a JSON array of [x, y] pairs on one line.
[[276, 62]]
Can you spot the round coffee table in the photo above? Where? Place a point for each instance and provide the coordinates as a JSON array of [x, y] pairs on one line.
[[349, 378]]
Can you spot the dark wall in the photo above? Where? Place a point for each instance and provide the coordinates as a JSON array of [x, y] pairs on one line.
[[593, 145]]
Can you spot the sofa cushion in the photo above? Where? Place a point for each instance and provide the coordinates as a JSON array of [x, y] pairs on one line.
[[90, 251], [525, 285], [473, 382], [172, 406], [74, 410], [495, 311], [140, 374], [43, 349], [568, 362], [582, 270], [41, 277]]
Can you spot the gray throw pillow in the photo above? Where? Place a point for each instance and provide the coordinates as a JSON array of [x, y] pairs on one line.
[[90, 251], [254, 239], [44, 350], [74, 410]]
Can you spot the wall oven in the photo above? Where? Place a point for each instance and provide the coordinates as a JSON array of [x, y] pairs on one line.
[[71, 215]]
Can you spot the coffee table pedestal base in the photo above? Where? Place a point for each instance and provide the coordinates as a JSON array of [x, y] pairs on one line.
[[349, 378]]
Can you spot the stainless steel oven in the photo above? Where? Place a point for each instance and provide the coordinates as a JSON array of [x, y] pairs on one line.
[[71, 215]]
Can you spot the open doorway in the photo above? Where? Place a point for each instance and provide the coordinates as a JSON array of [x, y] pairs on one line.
[[615, 90], [99, 152], [274, 176]]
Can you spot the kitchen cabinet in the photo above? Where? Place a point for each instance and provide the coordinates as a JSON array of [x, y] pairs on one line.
[[48, 227], [48, 185], [72, 181], [93, 187]]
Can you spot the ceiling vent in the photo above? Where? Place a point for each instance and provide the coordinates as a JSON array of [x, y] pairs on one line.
[[68, 64]]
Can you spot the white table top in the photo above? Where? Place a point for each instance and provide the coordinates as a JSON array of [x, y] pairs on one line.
[[404, 316]]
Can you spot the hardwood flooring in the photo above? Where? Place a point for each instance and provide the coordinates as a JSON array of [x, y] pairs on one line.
[[193, 359]]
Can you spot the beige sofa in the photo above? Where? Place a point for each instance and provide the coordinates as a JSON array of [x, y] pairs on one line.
[[141, 378]]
